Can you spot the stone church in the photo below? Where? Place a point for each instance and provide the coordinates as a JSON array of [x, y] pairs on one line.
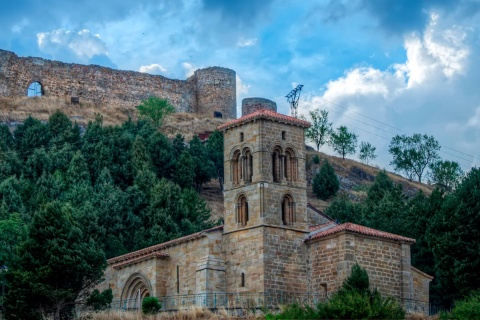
[[274, 246]]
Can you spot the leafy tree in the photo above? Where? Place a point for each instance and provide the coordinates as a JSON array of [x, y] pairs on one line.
[[325, 183], [55, 264], [30, 135], [321, 128], [140, 157], [100, 300], [156, 110], [446, 174], [412, 155], [215, 152], [367, 152], [160, 149], [343, 141]]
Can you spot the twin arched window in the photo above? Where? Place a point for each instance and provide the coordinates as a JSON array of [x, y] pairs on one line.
[[242, 211], [284, 165], [242, 166], [288, 210]]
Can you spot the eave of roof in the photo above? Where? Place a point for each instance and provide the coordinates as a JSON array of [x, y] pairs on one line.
[[355, 228], [265, 114], [323, 214], [148, 256], [143, 252]]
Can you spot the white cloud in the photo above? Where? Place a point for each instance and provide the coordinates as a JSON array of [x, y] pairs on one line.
[[82, 44], [154, 68], [421, 94], [242, 88], [189, 69], [242, 42]]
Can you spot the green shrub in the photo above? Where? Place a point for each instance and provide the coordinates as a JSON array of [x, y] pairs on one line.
[[354, 300], [100, 301], [151, 305], [316, 159], [468, 308], [325, 183]]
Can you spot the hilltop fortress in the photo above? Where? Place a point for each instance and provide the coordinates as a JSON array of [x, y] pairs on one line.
[[210, 92]]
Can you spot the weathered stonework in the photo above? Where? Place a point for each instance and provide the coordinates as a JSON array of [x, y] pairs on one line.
[[208, 91], [273, 243]]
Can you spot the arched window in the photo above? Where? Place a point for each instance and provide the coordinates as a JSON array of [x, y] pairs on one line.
[[236, 168], [248, 165], [277, 165], [291, 167], [241, 136], [35, 89], [288, 210], [242, 211]]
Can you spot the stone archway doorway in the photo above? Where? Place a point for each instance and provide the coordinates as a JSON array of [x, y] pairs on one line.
[[135, 290]]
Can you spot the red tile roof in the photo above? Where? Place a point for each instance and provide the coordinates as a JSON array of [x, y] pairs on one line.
[[355, 228], [158, 254], [319, 226], [265, 114], [141, 253]]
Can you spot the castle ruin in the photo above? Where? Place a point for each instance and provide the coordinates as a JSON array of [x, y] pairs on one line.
[[209, 92]]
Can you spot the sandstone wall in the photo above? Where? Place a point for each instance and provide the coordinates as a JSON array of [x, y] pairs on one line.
[[208, 90], [285, 261], [331, 260], [250, 105], [200, 264]]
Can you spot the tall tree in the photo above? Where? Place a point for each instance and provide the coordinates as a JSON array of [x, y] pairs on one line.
[[367, 152], [55, 264], [446, 174], [156, 110], [321, 128], [412, 155], [454, 237], [325, 183], [203, 167], [343, 141]]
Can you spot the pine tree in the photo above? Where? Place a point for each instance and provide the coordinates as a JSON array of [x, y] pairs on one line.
[[325, 183]]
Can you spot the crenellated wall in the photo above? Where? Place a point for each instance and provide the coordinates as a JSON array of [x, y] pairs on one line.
[[208, 91]]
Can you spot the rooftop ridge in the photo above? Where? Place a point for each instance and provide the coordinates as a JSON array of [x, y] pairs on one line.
[[355, 228], [264, 114], [157, 247]]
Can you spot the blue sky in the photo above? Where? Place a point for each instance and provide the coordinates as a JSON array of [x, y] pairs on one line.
[[380, 67]]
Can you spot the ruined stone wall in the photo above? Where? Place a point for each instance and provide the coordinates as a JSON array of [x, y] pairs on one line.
[[250, 105], [208, 90], [331, 260]]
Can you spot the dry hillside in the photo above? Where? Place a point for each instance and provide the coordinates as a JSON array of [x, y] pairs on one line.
[[354, 177]]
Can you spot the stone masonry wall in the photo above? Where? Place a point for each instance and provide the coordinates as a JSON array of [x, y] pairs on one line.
[[285, 261], [208, 90], [198, 260], [331, 260], [244, 253]]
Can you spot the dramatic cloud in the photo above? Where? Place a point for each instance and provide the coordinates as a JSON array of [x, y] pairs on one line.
[[367, 99], [62, 44], [153, 69]]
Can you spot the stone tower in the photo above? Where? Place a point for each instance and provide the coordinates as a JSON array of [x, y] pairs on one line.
[[265, 202]]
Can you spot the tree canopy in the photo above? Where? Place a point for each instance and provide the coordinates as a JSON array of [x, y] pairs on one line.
[[413, 154], [321, 128], [70, 201], [343, 141]]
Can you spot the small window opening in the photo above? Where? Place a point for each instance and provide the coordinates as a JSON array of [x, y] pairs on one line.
[[242, 211], [74, 100], [283, 135], [178, 281], [241, 136], [242, 281], [217, 114], [35, 89]]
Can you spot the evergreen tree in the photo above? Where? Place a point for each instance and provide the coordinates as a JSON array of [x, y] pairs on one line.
[[184, 170], [203, 167], [54, 265], [215, 151], [325, 183]]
